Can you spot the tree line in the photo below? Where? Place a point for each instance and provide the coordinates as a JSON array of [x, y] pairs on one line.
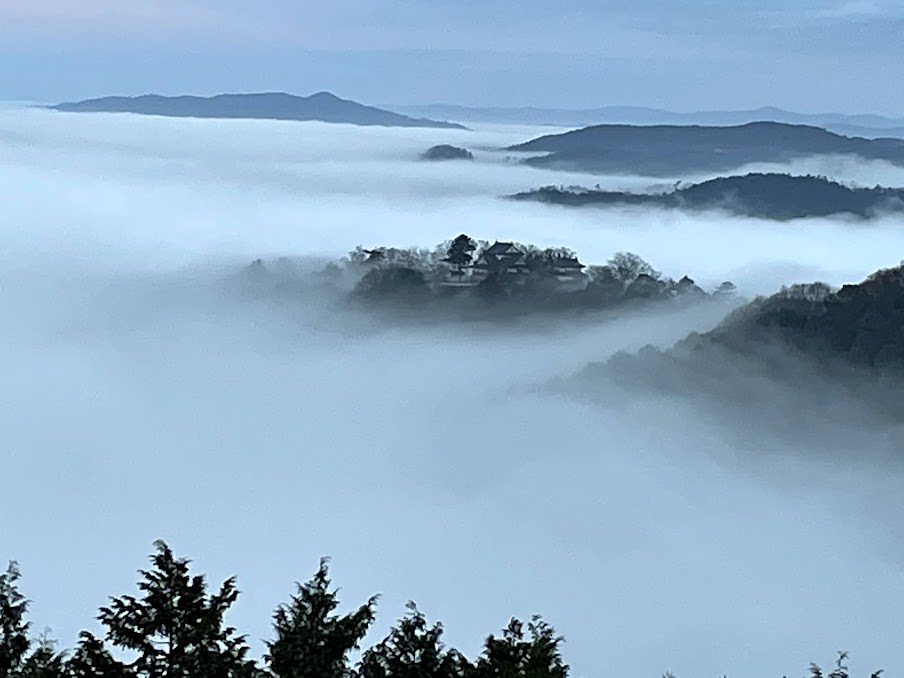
[[769, 196], [175, 627], [465, 271]]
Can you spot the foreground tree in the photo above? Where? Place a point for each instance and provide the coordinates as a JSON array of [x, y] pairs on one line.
[[176, 628], [841, 670], [413, 649], [45, 661], [14, 641], [515, 655], [311, 640], [92, 660]]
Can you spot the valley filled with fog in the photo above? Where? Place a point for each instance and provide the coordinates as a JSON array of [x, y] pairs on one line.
[[145, 396]]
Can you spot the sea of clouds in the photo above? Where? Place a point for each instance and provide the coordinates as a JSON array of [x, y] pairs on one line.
[[142, 398]]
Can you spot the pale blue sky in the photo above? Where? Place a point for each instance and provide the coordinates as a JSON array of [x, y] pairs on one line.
[[810, 56]]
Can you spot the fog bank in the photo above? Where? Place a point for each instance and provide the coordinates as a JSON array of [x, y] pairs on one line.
[[144, 398]]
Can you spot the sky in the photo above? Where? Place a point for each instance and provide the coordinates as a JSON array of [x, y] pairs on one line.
[[147, 395], [810, 56]]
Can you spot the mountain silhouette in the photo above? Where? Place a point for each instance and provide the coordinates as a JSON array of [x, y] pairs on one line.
[[322, 106], [671, 150], [766, 196]]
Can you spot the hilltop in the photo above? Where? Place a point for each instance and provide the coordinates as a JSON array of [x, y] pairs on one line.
[[466, 279], [671, 150], [865, 125], [323, 107], [806, 358], [447, 152], [859, 324], [766, 196]]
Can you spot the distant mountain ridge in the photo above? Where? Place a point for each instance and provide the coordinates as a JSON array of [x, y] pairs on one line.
[[766, 196], [322, 106], [672, 150], [866, 125]]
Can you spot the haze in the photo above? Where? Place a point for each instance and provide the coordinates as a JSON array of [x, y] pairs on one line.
[[144, 398]]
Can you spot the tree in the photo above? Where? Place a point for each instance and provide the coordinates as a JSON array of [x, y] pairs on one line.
[[393, 282], [92, 660], [176, 627], [554, 253], [544, 262], [841, 670], [515, 656], [45, 661], [646, 286], [312, 641], [627, 267], [413, 649], [604, 288], [375, 256], [357, 256], [460, 252], [816, 292], [14, 642]]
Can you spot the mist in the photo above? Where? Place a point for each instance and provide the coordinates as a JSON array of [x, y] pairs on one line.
[[146, 398]]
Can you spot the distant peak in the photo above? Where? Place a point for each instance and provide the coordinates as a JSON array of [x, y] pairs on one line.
[[235, 95], [324, 95]]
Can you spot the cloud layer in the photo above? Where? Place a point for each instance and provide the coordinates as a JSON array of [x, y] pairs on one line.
[[143, 399]]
